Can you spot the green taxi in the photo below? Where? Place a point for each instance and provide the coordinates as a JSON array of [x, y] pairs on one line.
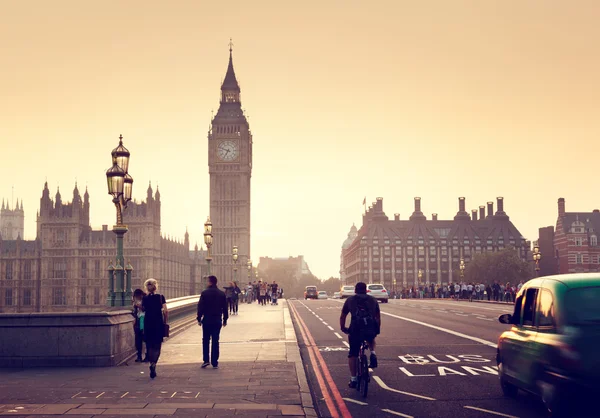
[[553, 347]]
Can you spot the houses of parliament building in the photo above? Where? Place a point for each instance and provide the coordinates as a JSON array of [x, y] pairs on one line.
[[65, 268]]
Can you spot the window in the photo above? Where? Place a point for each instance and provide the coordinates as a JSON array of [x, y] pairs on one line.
[[26, 297], [8, 297], [27, 270], [409, 251], [578, 242], [59, 269], [97, 273], [546, 310], [444, 251], [582, 305], [579, 258], [84, 269], [593, 240], [432, 251], [83, 300], [421, 251], [9, 270], [529, 307], [58, 296]]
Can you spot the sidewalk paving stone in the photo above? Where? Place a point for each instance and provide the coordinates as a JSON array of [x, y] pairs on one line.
[[260, 375]]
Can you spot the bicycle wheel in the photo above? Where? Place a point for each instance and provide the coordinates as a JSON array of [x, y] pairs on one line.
[[364, 376]]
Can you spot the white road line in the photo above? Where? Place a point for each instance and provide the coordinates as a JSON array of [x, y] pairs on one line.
[[338, 335], [330, 327], [318, 317], [355, 401], [461, 314], [324, 323], [449, 331], [346, 344], [389, 411], [485, 319], [441, 310], [490, 412], [386, 387]]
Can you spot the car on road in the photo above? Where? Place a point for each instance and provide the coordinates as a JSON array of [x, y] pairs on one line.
[[551, 347], [337, 295], [322, 295], [346, 291], [378, 291], [310, 292]]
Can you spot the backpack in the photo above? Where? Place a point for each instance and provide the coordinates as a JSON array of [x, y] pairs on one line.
[[363, 321]]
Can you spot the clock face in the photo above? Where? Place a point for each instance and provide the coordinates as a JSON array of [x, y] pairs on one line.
[[227, 150]]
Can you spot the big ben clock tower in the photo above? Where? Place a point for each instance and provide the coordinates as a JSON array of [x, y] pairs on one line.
[[230, 169]]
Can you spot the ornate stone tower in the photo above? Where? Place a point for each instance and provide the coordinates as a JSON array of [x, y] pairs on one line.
[[230, 169], [12, 221]]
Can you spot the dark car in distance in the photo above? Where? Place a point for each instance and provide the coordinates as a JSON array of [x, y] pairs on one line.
[[552, 347], [310, 292]]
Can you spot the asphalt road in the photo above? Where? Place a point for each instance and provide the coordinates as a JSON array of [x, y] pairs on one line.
[[436, 359]]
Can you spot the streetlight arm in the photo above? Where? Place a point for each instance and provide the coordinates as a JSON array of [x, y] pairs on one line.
[[119, 207]]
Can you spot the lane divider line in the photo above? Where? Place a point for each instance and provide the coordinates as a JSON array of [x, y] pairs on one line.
[[490, 412], [386, 387], [324, 391], [338, 335], [355, 401], [330, 327], [346, 344], [389, 411], [324, 369], [449, 331]]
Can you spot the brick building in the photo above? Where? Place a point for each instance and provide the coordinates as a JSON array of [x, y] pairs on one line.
[[575, 241], [393, 251], [65, 267], [295, 265]]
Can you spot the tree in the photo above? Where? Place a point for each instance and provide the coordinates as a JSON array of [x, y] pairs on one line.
[[331, 285], [503, 266]]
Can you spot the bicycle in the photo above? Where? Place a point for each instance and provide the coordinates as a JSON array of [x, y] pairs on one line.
[[363, 376]]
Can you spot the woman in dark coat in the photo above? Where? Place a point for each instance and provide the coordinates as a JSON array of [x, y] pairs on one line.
[[156, 316]]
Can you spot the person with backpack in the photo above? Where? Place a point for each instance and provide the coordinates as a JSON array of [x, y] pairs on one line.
[[365, 325]]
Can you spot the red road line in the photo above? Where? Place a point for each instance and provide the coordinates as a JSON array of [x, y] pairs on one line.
[[334, 390], [326, 396]]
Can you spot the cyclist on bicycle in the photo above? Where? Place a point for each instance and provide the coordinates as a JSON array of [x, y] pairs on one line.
[[365, 325]]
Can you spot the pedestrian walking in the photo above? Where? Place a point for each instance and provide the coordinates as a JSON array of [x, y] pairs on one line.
[[236, 297], [274, 293], [138, 325], [156, 320], [212, 316], [229, 296]]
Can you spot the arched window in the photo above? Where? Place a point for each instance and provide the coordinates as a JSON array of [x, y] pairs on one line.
[[593, 240]]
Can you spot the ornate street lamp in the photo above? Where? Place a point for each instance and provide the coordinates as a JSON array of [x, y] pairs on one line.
[[462, 268], [420, 276], [120, 187], [208, 240], [537, 256], [234, 255], [249, 269]]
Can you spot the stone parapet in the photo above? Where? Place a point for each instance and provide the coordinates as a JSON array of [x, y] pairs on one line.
[[92, 339]]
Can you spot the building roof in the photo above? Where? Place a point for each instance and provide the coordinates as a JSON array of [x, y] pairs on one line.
[[590, 220], [230, 82]]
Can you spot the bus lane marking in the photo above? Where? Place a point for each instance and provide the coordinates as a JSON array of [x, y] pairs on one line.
[[448, 331], [355, 401], [389, 411], [386, 387], [490, 412]]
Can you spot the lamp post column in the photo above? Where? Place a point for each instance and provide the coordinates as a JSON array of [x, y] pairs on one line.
[[208, 240], [110, 299], [128, 289], [235, 260]]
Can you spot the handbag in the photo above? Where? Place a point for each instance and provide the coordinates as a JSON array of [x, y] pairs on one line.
[[167, 328]]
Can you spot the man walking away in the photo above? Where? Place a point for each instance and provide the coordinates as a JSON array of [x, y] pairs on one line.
[[212, 315], [274, 293]]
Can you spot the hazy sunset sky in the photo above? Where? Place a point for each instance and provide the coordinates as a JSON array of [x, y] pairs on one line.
[[347, 99]]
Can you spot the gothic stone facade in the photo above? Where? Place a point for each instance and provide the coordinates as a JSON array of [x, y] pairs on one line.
[[65, 268], [392, 252], [230, 169]]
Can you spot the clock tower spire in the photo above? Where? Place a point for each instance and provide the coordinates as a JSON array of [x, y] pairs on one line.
[[230, 170]]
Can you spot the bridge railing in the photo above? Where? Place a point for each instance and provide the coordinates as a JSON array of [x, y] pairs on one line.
[[66, 339]]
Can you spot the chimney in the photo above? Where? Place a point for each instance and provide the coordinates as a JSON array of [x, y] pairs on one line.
[[482, 212], [379, 204], [596, 211], [417, 214], [462, 214], [500, 201], [434, 216], [490, 208], [396, 216], [474, 214], [461, 204], [561, 207]]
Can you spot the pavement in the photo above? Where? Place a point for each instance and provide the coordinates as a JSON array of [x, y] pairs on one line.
[[436, 359], [260, 375]]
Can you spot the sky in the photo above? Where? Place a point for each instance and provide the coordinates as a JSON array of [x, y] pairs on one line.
[[347, 99]]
